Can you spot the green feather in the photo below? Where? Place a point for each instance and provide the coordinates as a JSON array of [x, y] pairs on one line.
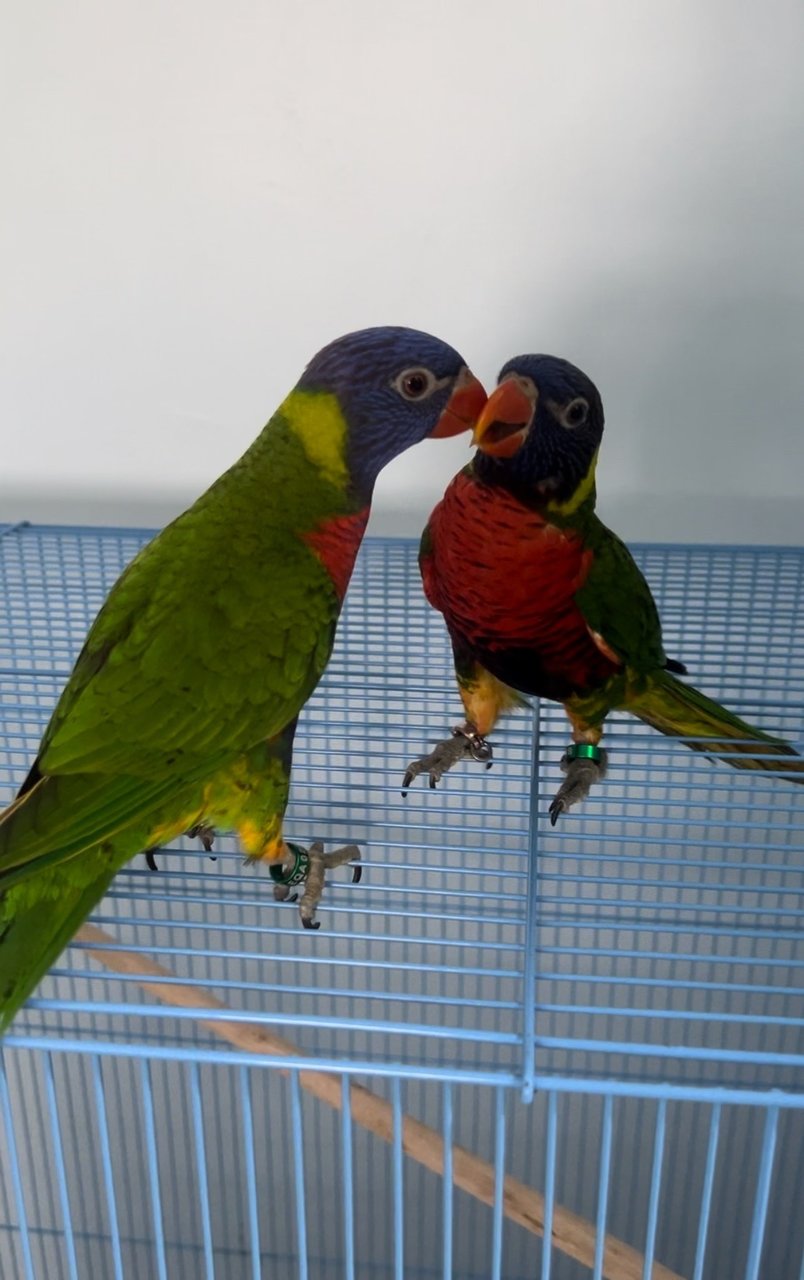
[[37, 932], [616, 601], [209, 644], [682, 711]]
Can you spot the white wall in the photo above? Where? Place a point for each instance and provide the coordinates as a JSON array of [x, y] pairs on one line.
[[196, 196]]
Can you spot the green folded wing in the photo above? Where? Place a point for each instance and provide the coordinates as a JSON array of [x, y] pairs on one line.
[[617, 604], [199, 649]]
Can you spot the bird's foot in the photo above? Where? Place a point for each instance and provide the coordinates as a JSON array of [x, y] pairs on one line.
[[584, 765], [199, 832], [309, 867], [465, 744], [205, 834]]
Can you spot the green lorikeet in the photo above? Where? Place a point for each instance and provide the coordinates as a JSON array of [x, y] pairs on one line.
[[541, 598], [181, 709]]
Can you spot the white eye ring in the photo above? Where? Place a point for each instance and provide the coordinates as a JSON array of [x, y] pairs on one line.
[[417, 383], [574, 414]]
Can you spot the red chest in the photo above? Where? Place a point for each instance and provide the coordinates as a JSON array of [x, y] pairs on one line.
[[505, 580], [336, 543]]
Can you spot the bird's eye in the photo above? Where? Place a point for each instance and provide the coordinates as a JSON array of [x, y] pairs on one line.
[[575, 413], [415, 384]]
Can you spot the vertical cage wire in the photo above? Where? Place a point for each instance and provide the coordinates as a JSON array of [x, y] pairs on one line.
[[607, 1014]]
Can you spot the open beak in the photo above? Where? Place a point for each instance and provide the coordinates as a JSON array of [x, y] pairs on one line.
[[504, 422], [463, 407]]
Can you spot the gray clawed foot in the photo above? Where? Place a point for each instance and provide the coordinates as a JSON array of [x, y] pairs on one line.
[[465, 744], [320, 864], [309, 867], [582, 773]]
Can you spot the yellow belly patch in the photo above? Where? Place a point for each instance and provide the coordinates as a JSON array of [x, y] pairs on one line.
[[257, 844], [485, 699]]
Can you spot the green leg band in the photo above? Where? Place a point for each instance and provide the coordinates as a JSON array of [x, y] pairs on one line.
[[297, 872], [584, 751]]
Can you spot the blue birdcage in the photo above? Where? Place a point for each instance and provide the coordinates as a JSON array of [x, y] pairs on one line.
[[510, 1051]]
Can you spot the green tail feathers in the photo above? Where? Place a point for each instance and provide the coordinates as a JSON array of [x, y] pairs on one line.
[[34, 933], [682, 711], [61, 843]]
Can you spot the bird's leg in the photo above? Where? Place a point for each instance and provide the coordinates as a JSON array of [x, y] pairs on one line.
[[309, 867], [198, 832], [259, 814], [584, 763], [320, 864], [485, 699], [465, 744]]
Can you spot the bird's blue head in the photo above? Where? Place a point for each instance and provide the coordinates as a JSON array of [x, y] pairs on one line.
[[540, 431], [394, 387]]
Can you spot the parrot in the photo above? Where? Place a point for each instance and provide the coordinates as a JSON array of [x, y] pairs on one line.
[[180, 711], [541, 599]]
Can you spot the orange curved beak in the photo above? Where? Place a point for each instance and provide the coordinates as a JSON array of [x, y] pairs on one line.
[[503, 424], [463, 407]]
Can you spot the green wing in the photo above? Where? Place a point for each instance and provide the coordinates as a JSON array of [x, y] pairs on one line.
[[203, 647], [616, 602]]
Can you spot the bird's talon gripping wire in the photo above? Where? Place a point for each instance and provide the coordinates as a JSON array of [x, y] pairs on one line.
[[309, 867], [584, 763], [464, 744]]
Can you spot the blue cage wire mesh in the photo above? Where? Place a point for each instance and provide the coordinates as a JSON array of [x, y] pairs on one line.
[[519, 1051]]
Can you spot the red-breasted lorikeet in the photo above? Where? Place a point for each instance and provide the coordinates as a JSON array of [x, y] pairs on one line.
[[540, 598]]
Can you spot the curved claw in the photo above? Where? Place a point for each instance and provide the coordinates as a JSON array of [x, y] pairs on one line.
[[581, 775], [282, 894], [205, 834], [556, 809], [198, 832], [309, 867], [465, 744]]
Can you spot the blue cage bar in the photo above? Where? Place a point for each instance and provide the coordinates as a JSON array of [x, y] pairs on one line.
[[510, 1051]]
